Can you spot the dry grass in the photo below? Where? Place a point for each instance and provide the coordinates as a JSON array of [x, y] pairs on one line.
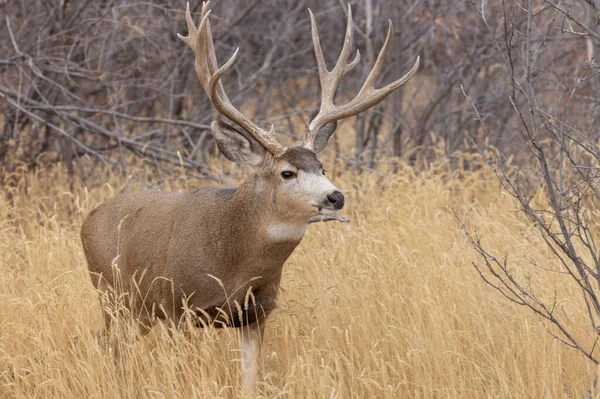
[[388, 307]]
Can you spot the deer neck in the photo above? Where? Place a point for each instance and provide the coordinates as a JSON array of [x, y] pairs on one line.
[[269, 221]]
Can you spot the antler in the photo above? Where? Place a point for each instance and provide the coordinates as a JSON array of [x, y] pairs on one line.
[[367, 97], [201, 42]]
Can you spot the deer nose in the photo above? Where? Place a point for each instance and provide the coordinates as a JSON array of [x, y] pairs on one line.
[[336, 199]]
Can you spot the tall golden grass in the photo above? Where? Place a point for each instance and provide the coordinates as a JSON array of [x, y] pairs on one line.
[[388, 306]]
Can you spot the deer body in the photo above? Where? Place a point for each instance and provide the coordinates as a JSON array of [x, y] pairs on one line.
[[220, 252], [171, 235]]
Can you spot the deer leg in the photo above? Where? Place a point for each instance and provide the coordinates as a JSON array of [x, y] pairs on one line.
[[251, 344], [104, 334]]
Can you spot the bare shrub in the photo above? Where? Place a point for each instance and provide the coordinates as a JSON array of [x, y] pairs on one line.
[[548, 54]]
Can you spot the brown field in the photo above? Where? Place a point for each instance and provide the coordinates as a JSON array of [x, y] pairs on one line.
[[388, 306]]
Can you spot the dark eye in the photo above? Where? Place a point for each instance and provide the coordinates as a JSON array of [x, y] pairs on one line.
[[288, 174], [324, 172]]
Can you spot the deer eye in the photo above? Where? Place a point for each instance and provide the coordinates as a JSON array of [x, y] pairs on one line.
[[323, 172], [288, 174]]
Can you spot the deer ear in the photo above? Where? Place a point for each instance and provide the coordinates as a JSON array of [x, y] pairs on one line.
[[322, 137], [237, 146]]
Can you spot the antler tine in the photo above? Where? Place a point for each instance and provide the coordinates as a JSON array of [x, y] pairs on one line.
[[367, 97], [341, 65], [209, 74], [322, 67], [330, 80], [190, 39], [369, 84]]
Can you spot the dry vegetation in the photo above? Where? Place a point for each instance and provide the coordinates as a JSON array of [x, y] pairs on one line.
[[99, 97], [388, 306]]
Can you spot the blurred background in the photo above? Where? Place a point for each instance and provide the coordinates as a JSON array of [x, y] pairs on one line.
[[87, 82]]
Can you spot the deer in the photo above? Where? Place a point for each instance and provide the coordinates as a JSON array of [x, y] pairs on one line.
[[219, 252]]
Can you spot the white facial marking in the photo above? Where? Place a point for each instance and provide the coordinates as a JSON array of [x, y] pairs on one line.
[[286, 231], [317, 184], [317, 187]]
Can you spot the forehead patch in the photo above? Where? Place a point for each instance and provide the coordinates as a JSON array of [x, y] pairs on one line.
[[303, 159]]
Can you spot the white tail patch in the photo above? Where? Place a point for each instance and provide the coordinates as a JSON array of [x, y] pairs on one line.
[[286, 231]]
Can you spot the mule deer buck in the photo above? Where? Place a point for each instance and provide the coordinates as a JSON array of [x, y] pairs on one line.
[[220, 251]]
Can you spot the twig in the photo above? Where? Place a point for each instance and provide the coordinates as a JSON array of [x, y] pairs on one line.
[[316, 219]]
